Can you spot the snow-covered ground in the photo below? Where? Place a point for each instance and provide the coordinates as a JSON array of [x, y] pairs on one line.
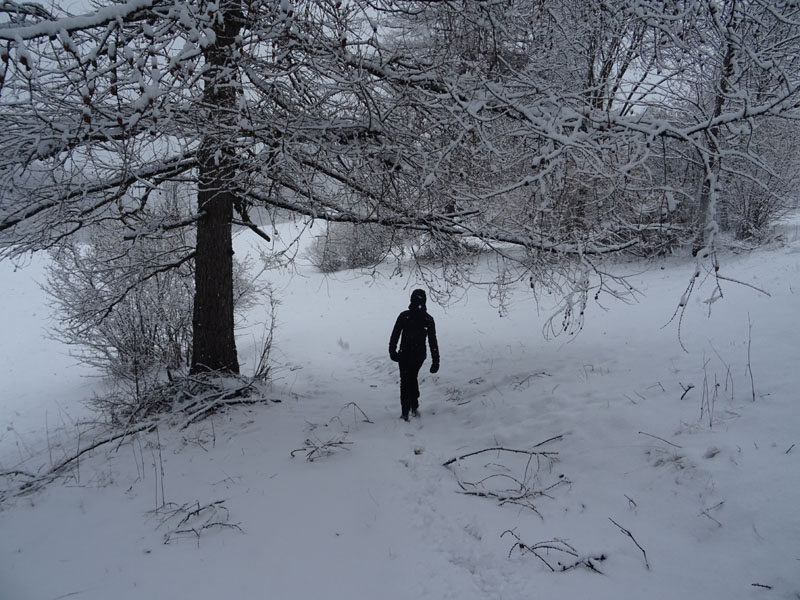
[[668, 493]]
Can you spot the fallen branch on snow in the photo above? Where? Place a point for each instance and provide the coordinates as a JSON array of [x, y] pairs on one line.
[[542, 551], [317, 449], [194, 399], [195, 519], [659, 438], [15, 473], [500, 449], [523, 490], [356, 407], [40, 481]]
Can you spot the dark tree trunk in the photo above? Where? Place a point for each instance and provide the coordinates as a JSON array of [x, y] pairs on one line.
[[214, 344]]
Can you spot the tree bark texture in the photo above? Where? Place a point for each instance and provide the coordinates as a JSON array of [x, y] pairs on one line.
[[214, 343]]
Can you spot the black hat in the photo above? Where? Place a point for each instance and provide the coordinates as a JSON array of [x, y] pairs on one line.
[[418, 299]]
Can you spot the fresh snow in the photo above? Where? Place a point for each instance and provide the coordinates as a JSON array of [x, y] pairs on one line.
[[709, 504]]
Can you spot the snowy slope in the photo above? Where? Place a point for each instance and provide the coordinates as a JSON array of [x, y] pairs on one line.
[[708, 501], [41, 383]]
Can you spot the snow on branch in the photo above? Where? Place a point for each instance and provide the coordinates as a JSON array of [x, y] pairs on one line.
[[155, 229], [51, 27], [79, 192]]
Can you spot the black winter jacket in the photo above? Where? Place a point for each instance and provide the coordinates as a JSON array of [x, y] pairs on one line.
[[412, 328]]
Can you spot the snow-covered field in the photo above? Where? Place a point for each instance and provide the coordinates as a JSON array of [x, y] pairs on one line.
[[668, 493]]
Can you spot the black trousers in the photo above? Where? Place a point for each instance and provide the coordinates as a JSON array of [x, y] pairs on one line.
[[409, 385]]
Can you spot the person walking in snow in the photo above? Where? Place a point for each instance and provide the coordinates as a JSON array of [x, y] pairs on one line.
[[412, 329]]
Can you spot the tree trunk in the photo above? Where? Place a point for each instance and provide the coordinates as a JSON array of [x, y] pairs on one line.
[[707, 226], [214, 344]]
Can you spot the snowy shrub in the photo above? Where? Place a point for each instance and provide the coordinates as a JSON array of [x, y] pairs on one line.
[[750, 212], [350, 246], [129, 331], [439, 249], [755, 200], [125, 303]]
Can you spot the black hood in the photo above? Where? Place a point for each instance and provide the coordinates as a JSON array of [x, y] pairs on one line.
[[418, 300]]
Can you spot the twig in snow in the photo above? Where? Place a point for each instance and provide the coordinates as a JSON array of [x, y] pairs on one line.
[[356, 407], [552, 439], [706, 512], [630, 535], [317, 449], [15, 472], [686, 389], [501, 449], [526, 380], [659, 438], [194, 398], [709, 399], [744, 283], [196, 519], [523, 491], [728, 376], [749, 368], [161, 469], [56, 469], [543, 549], [197, 531], [212, 405], [680, 310]]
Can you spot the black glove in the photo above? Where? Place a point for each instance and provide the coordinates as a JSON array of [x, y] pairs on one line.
[[435, 367], [393, 355]]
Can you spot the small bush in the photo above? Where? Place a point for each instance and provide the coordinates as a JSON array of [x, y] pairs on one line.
[[125, 306], [350, 246]]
